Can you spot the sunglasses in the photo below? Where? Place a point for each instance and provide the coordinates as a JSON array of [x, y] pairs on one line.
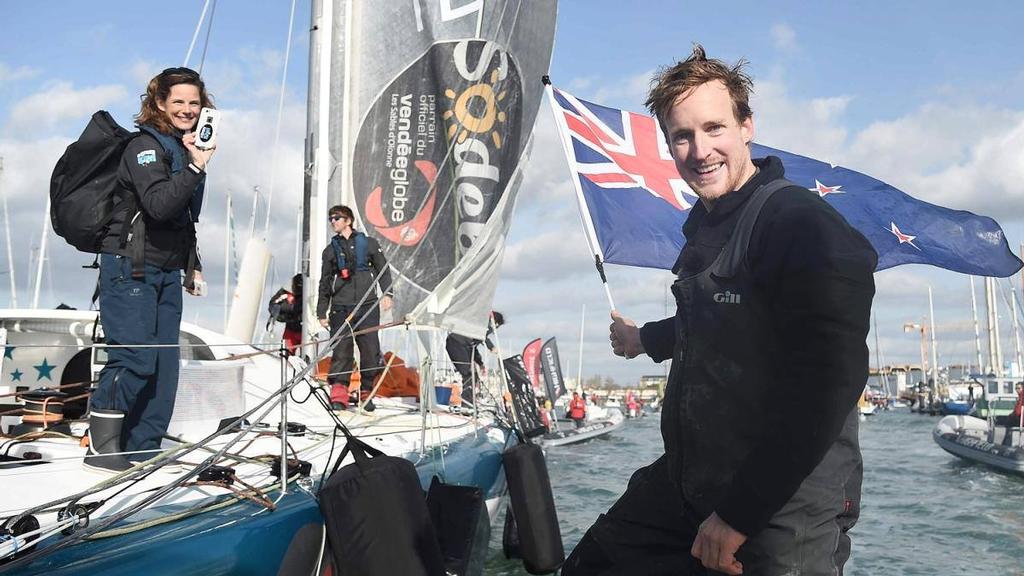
[[180, 71], [336, 218]]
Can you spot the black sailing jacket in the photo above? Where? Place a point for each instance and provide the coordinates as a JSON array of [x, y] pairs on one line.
[[767, 364], [335, 291]]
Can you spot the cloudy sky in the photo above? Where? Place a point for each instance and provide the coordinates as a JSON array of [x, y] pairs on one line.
[[923, 95]]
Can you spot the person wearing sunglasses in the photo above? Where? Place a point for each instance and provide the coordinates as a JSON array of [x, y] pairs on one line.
[[145, 252], [353, 268]]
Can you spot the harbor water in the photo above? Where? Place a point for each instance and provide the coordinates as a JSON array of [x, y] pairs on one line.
[[924, 512]]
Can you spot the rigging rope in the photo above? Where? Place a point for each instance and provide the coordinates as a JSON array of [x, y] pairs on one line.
[[195, 35], [280, 113]]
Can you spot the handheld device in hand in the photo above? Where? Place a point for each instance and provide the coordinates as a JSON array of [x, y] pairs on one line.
[[200, 288], [206, 129]]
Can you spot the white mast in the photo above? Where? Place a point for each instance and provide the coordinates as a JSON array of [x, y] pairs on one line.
[[252, 215], [993, 328], [318, 156], [42, 254], [7, 232], [579, 364], [996, 345], [228, 232], [1016, 331], [931, 319], [977, 333], [882, 381], [298, 242]]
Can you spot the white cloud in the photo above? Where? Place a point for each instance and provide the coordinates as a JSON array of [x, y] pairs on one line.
[[142, 71], [812, 127], [551, 255], [630, 92], [968, 158], [8, 74], [60, 101], [784, 37]]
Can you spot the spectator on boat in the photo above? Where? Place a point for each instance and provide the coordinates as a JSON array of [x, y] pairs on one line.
[[1013, 419], [465, 356], [286, 306], [578, 410], [772, 291], [141, 264], [549, 414], [353, 265]]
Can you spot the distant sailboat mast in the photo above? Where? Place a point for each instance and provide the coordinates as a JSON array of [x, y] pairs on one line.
[[1016, 331], [228, 235], [42, 254], [977, 332], [931, 320], [882, 380], [7, 232], [579, 364], [995, 351]]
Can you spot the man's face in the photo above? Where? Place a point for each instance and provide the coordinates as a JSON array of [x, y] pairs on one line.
[[339, 223], [708, 144]]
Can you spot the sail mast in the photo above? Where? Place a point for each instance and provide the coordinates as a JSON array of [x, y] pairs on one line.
[[579, 364], [42, 254], [228, 233], [317, 168], [977, 333], [931, 320], [7, 232]]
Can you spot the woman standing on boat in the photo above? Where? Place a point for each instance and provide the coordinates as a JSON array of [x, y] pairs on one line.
[[149, 243]]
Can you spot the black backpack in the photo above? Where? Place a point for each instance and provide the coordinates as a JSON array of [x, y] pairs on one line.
[[84, 183]]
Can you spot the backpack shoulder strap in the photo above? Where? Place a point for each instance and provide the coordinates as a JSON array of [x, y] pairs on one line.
[[361, 250], [339, 254]]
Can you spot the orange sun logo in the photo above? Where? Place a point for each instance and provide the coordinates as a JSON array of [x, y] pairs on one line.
[[467, 120]]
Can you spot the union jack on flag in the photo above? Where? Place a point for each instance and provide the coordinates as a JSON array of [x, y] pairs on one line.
[[634, 203]]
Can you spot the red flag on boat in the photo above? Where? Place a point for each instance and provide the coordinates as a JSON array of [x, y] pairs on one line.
[[531, 358]]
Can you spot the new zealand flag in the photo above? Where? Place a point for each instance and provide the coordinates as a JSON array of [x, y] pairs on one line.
[[636, 202]]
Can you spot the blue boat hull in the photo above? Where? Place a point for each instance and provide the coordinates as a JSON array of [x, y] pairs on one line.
[[957, 407], [244, 538]]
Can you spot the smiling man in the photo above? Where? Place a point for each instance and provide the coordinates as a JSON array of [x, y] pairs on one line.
[[762, 470]]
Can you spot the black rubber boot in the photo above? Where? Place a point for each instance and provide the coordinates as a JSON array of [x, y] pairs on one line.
[[105, 442]]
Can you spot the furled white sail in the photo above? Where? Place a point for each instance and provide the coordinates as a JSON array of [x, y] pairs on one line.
[[430, 112]]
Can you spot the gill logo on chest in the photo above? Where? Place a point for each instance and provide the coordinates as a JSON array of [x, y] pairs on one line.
[[726, 297]]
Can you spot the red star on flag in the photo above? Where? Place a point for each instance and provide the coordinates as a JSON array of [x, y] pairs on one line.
[[823, 190], [903, 238]]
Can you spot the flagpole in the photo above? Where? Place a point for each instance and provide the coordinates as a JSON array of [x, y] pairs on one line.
[[588, 225]]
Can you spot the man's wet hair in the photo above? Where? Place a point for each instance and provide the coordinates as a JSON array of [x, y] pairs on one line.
[[672, 82]]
